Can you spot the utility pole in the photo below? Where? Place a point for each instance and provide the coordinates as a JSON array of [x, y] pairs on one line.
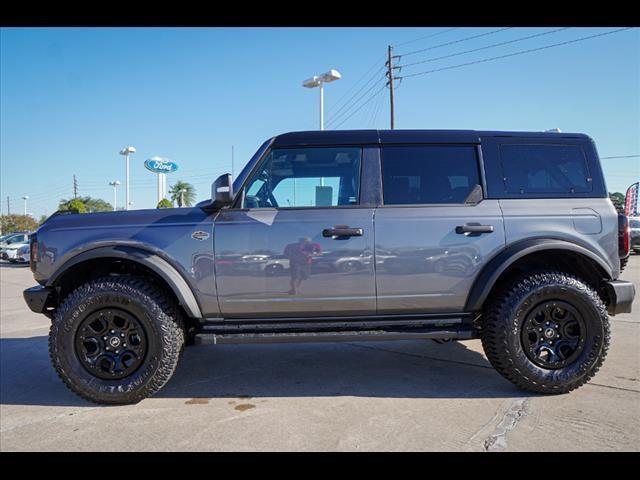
[[232, 173], [75, 186], [390, 83], [8, 206]]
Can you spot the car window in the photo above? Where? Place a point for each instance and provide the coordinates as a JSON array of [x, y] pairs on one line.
[[545, 169], [428, 174], [305, 177], [15, 239]]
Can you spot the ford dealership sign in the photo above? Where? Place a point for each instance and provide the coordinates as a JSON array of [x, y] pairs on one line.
[[160, 165]]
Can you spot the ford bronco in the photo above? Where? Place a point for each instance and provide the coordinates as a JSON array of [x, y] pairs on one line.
[[357, 235]]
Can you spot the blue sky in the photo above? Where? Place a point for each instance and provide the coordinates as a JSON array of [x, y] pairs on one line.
[[71, 98]]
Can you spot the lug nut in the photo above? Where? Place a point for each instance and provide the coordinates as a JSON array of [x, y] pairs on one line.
[[124, 344], [122, 334], [113, 331], [104, 338], [117, 351]]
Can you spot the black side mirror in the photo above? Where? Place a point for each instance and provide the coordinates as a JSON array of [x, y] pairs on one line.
[[222, 191]]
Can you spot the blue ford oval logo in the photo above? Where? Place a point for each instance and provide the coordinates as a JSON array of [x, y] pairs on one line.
[[160, 165]]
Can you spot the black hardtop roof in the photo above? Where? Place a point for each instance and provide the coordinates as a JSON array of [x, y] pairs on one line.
[[359, 137]]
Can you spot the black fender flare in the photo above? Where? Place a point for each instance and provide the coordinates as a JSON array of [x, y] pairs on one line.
[[149, 259], [499, 263]]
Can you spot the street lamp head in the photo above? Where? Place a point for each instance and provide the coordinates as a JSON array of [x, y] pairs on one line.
[[312, 82], [330, 76], [26, 197], [127, 150], [326, 77], [115, 183]]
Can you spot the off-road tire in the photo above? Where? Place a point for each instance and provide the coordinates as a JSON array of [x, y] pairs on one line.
[[154, 310], [503, 320]]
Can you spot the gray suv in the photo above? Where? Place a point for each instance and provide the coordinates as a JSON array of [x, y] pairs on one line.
[[348, 236]]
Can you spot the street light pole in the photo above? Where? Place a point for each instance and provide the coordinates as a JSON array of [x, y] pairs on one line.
[[126, 151], [25, 198], [319, 81], [114, 184], [321, 106]]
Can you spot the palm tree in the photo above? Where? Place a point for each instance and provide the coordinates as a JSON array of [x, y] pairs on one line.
[[182, 193]]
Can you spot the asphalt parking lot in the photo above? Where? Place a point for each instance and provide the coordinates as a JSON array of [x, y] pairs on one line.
[[408, 395]]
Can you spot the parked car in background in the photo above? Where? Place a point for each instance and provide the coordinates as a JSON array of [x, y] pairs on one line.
[[634, 227], [13, 238], [22, 254], [9, 247]]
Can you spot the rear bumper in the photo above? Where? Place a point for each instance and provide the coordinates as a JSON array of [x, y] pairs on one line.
[[621, 294], [37, 298]]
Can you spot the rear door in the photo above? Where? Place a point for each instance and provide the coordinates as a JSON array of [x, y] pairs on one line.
[[433, 232], [299, 244]]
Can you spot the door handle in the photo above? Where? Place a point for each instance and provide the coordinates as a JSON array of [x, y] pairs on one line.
[[461, 229], [338, 232]]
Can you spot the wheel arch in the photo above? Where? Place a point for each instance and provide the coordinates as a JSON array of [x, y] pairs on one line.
[[169, 274], [494, 271]]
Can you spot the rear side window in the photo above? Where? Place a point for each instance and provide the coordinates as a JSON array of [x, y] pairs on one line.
[[428, 174], [545, 169]]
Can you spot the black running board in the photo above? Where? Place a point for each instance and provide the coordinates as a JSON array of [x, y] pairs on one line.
[[335, 336]]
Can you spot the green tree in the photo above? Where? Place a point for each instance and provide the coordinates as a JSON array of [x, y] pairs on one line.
[[17, 223], [618, 201], [183, 193], [164, 203], [90, 204], [97, 205], [43, 218], [73, 204]]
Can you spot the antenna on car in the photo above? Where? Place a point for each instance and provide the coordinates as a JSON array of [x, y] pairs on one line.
[[555, 130]]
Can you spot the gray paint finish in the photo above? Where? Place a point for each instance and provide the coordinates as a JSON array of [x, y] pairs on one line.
[[422, 264], [162, 232], [589, 222], [340, 275]]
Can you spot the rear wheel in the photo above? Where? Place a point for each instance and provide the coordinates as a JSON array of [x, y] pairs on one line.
[[116, 340], [548, 334]]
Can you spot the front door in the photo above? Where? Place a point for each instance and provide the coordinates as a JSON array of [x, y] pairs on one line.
[[297, 243], [434, 233]]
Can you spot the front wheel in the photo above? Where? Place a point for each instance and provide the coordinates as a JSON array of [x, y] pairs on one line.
[[547, 334], [116, 340]]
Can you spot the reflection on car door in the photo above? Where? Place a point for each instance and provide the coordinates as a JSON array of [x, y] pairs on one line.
[[299, 210]]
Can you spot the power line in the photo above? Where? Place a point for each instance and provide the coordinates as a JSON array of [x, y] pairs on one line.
[[377, 92], [485, 48], [427, 36], [351, 101], [337, 116], [620, 156], [377, 62], [454, 42], [521, 52]]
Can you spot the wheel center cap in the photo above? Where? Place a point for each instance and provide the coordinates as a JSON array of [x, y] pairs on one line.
[[549, 332], [114, 342]]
